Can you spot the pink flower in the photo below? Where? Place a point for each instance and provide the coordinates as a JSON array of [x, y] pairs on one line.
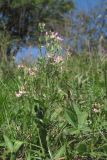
[[46, 33], [96, 110], [56, 34], [32, 71], [58, 59], [20, 66], [59, 38], [20, 92]]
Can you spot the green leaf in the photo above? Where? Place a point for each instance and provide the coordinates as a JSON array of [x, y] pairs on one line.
[[18, 3], [71, 131], [8, 143], [2, 144], [28, 157], [82, 118], [104, 148], [60, 152], [17, 146], [82, 148], [71, 118]]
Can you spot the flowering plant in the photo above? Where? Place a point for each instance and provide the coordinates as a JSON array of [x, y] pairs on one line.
[[53, 41]]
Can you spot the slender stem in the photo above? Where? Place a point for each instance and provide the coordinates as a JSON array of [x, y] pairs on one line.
[[105, 79]]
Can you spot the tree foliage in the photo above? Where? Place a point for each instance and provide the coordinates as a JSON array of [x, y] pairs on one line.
[[89, 29], [21, 17]]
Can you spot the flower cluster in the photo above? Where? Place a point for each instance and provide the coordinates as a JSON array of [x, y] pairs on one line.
[[21, 66], [53, 43], [96, 108], [21, 92], [29, 70], [32, 71], [54, 35], [58, 59]]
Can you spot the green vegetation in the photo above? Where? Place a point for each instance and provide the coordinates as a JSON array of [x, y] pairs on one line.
[[20, 18], [54, 109]]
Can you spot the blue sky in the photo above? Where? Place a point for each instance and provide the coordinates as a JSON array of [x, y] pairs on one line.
[[30, 53], [86, 4]]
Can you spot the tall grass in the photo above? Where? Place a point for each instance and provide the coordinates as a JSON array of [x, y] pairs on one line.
[[55, 109]]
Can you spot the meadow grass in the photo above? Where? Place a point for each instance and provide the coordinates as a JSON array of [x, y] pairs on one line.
[[55, 109]]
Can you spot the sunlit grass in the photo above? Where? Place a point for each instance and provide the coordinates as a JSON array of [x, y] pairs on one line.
[[55, 109]]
